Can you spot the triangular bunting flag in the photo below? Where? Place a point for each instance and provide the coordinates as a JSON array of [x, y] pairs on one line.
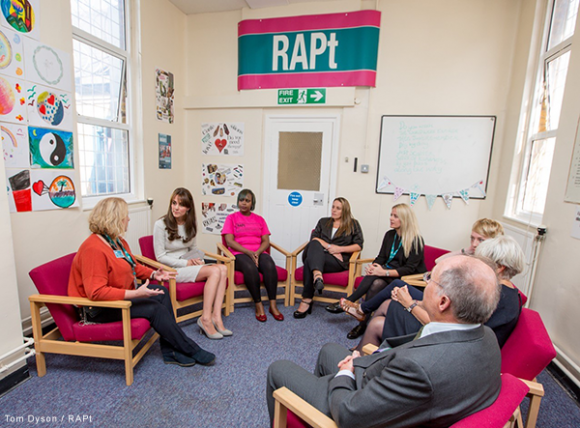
[[479, 186], [414, 197], [464, 195], [430, 201], [398, 192], [383, 184], [448, 198]]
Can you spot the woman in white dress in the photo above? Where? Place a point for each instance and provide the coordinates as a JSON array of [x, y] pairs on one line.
[[174, 245]]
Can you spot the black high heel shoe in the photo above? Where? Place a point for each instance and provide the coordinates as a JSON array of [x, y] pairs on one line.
[[319, 284], [298, 314]]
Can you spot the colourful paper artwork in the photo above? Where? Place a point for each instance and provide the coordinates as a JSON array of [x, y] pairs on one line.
[[48, 107], [430, 201], [164, 91], [448, 199], [11, 54], [52, 190], [47, 66], [19, 191], [12, 100], [50, 148], [15, 145], [398, 192], [214, 216], [222, 139], [414, 196], [21, 16], [464, 193], [164, 151], [222, 179]]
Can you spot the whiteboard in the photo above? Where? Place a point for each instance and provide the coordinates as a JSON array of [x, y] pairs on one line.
[[435, 155]]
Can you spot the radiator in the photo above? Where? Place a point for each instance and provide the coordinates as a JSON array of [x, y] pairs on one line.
[[530, 243], [140, 225]]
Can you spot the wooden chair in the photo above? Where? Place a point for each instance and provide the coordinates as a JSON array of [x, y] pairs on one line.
[[236, 279], [51, 280], [183, 294], [339, 282], [430, 254]]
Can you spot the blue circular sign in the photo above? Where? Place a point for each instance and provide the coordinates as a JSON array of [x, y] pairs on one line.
[[295, 199]]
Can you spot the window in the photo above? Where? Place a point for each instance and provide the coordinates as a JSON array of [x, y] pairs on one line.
[[528, 197], [101, 61]]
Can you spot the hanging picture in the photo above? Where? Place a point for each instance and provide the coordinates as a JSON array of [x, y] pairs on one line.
[[47, 66], [19, 191], [222, 179], [48, 107], [12, 100], [222, 139], [214, 216], [11, 54], [164, 95], [21, 16], [50, 148], [164, 151], [53, 190], [15, 145]]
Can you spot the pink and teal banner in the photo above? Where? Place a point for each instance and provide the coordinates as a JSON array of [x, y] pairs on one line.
[[338, 49]]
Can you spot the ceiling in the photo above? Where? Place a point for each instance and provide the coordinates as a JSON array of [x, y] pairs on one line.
[[190, 7]]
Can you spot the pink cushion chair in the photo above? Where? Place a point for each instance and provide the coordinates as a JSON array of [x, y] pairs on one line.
[[183, 294], [237, 278], [51, 280]]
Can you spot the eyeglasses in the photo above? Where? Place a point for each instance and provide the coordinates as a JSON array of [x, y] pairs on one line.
[[427, 277]]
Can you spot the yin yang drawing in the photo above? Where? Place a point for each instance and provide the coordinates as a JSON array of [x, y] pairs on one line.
[[50, 148]]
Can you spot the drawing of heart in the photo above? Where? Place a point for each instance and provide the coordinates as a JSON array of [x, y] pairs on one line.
[[38, 187], [42, 108], [220, 144], [51, 99]]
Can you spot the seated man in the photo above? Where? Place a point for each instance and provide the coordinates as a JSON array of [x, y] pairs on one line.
[[452, 370]]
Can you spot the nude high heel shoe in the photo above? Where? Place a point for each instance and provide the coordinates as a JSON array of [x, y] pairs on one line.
[[214, 336]]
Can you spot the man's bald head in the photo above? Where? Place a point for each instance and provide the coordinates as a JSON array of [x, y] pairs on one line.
[[471, 285]]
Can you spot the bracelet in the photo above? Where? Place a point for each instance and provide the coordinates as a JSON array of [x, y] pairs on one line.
[[329, 245]]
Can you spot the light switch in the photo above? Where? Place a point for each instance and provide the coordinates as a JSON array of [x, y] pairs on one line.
[[364, 169]]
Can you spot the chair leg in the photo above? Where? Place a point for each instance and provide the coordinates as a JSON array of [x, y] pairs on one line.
[[533, 411], [37, 334], [280, 414], [127, 348]]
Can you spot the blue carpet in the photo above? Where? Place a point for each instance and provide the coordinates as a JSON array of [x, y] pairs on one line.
[[229, 394]]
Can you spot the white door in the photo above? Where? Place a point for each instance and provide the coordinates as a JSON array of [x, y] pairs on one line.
[[300, 161]]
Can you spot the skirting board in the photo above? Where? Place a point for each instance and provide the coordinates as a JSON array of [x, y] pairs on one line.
[[569, 367], [14, 379], [45, 319]]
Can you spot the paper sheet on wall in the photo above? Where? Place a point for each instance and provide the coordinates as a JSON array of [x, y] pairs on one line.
[[15, 145], [222, 139], [48, 107], [46, 65], [21, 16], [214, 215], [576, 224], [222, 179], [11, 53], [573, 186], [53, 189], [164, 93], [12, 100]]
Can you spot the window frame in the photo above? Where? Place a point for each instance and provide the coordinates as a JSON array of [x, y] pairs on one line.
[[132, 80]]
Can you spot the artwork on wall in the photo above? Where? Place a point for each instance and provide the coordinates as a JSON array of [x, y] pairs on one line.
[[222, 139], [11, 53], [12, 100], [164, 151], [15, 145], [19, 191], [164, 91], [52, 189], [214, 215], [222, 179], [21, 16], [47, 66], [48, 107], [50, 148]]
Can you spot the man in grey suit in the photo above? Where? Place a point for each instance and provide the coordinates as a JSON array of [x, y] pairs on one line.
[[451, 371]]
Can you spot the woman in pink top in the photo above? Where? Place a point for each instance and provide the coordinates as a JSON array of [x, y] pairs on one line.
[[247, 236]]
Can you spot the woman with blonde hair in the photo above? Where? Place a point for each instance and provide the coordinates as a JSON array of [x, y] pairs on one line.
[[401, 254], [331, 245], [482, 229], [105, 269], [174, 245]]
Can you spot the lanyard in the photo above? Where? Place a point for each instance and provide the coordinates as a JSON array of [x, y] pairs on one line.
[[394, 252], [124, 254]]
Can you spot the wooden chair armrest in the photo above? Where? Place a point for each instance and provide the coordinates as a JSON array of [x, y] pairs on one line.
[[354, 257], [535, 388], [280, 249], [369, 348], [416, 280], [312, 416], [363, 261], [299, 249], [219, 258], [221, 247], [79, 301], [152, 263]]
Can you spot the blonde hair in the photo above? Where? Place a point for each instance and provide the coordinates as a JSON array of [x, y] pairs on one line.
[[410, 233], [487, 227], [108, 217]]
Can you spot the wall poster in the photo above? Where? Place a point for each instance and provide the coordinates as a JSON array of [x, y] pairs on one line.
[[222, 179], [164, 151], [222, 139], [214, 215], [164, 90]]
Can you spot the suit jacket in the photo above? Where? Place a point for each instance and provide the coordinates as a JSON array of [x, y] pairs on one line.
[[415, 263], [433, 382], [323, 230]]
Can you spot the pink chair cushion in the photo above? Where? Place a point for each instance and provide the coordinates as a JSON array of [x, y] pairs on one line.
[[430, 254], [336, 278], [357, 281], [282, 276], [187, 290], [511, 395], [109, 331], [529, 349], [146, 245], [293, 421]]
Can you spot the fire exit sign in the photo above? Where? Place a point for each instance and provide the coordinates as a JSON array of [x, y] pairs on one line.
[[302, 96]]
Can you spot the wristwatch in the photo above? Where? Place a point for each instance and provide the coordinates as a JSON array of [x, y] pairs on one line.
[[410, 308], [387, 271]]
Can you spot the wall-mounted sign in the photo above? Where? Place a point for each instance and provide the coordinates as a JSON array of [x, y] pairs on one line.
[[338, 49], [301, 96], [295, 199]]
